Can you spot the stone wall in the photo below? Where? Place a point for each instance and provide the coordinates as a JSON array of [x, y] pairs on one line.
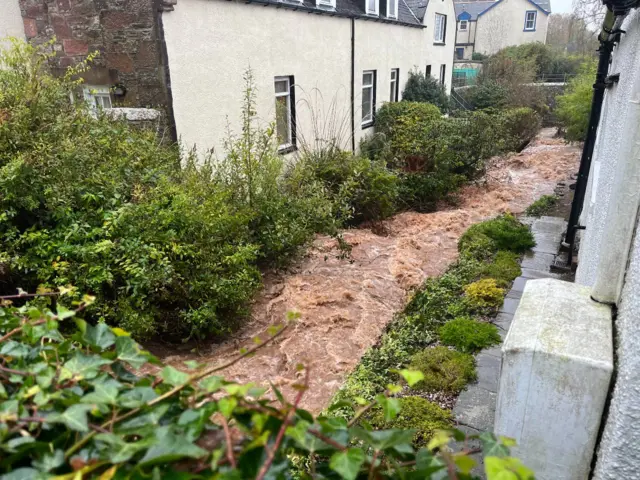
[[124, 32]]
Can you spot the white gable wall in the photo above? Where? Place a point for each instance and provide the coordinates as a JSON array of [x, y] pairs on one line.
[[503, 25], [211, 43]]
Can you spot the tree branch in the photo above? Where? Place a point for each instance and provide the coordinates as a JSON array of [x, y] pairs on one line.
[[227, 436]]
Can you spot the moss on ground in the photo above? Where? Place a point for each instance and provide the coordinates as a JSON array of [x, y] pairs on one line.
[[418, 414], [505, 233], [504, 268], [542, 206], [444, 370], [468, 335], [484, 295]]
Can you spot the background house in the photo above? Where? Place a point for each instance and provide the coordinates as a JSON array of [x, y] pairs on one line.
[[488, 26], [325, 65]]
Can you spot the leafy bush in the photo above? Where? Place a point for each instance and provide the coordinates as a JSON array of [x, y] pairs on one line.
[[478, 57], [365, 188], [444, 370], [418, 414], [75, 404], [421, 192], [545, 59], [522, 125], [484, 294], [542, 206], [105, 207], [574, 106], [505, 231], [504, 268], [487, 94], [468, 335], [421, 88]]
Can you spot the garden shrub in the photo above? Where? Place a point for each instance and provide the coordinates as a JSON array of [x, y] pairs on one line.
[[542, 206], [484, 295], [421, 88], [574, 106], [421, 191], [488, 94], [418, 414], [504, 268], [366, 189], [468, 335], [444, 370], [505, 231], [108, 208], [522, 125]]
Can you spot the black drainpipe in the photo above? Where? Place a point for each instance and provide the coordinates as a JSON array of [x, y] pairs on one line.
[[353, 85], [607, 41]]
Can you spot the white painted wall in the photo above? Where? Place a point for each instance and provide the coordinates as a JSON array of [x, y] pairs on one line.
[[617, 145], [10, 19], [211, 43], [503, 25]]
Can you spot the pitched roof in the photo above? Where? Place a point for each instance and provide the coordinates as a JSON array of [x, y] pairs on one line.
[[419, 7], [477, 8], [348, 8]]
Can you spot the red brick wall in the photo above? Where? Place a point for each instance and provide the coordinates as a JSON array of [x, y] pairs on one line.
[[123, 31]]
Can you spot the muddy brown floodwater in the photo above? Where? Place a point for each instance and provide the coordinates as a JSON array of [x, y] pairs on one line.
[[346, 303]]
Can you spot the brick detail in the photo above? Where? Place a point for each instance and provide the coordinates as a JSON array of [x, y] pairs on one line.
[[124, 32], [30, 27]]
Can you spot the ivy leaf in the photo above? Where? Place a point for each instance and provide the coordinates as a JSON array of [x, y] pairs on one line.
[[506, 468], [170, 447], [49, 461], [439, 439], [64, 312], [74, 417], [492, 447], [383, 439], [14, 349], [99, 336], [137, 397], [105, 391], [173, 377], [464, 463], [82, 366], [390, 406], [347, 463], [129, 351], [117, 450], [411, 376]]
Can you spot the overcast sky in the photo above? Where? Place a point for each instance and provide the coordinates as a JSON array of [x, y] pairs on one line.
[[560, 6]]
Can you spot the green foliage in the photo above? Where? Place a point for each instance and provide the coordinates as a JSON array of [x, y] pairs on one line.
[[421, 88], [74, 403], [366, 189], [574, 106], [108, 208], [469, 335], [504, 231], [425, 418], [487, 94], [504, 268], [444, 370], [484, 294], [522, 125], [542, 206], [421, 192], [545, 59], [478, 57]]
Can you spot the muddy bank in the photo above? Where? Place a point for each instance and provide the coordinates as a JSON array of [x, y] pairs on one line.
[[346, 303]]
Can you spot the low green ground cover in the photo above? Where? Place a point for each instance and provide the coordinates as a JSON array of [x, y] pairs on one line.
[[451, 309], [542, 206]]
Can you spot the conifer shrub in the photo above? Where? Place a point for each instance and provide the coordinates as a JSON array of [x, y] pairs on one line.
[[468, 335], [504, 268], [418, 414], [444, 370], [484, 295], [425, 88], [542, 206], [505, 231]]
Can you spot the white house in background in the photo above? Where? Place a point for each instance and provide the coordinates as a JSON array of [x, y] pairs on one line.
[[11, 21], [325, 65], [488, 26]]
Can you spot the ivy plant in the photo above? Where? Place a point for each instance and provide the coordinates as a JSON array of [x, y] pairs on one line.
[[75, 403]]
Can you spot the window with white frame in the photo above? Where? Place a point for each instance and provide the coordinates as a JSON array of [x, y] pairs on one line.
[[440, 28], [326, 3], [97, 96], [392, 8], [372, 7], [530, 20], [368, 97], [285, 112], [395, 79], [443, 73], [464, 25]]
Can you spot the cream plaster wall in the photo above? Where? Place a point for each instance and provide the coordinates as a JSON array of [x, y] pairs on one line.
[[10, 19], [503, 25], [210, 44]]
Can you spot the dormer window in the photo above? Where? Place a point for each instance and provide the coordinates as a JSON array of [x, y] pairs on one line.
[[326, 3], [372, 7], [392, 8]]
